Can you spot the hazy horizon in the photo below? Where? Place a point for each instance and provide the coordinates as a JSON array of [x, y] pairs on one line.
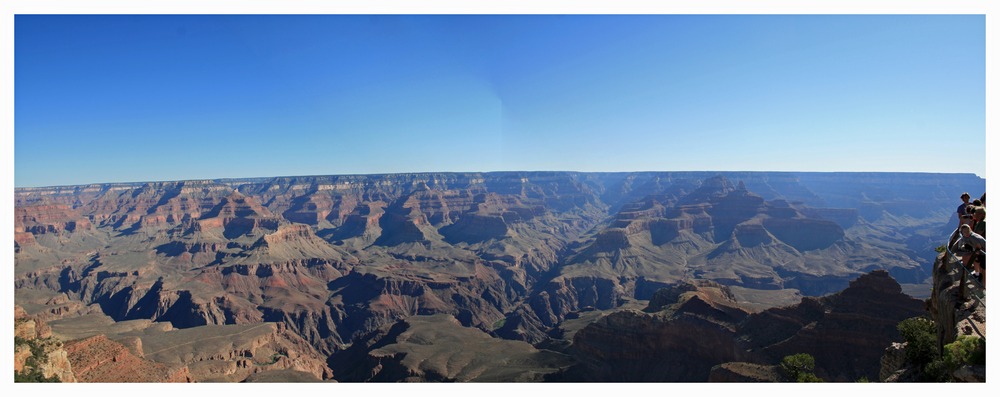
[[488, 172], [132, 98]]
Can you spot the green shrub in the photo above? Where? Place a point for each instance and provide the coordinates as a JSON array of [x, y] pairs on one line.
[[271, 360], [808, 378], [935, 371], [963, 351], [920, 335], [799, 367], [967, 350]]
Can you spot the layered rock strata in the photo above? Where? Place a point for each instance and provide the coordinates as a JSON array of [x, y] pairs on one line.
[[334, 258]]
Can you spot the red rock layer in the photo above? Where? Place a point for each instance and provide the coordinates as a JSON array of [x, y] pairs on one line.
[[98, 359], [55, 218]]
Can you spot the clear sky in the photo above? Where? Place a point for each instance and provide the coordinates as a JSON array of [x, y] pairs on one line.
[[168, 97]]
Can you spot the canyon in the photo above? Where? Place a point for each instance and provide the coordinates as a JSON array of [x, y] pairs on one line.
[[537, 276]]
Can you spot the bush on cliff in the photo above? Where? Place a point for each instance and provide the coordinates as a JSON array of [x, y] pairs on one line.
[[963, 351], [920, 335], [966, 350], [799, 367]]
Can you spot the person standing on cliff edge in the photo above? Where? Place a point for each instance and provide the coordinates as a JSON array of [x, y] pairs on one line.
[[963, 218]]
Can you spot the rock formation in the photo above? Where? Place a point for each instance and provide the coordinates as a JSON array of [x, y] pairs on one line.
[[36, 351], [845, 332], [957, 309], [689, 331], [98, 359], [210, 353]]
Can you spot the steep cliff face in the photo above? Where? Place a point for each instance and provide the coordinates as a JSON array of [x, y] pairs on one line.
[[37, 352], [958, 308]]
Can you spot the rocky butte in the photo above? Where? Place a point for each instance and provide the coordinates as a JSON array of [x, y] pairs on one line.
[[380, 277]]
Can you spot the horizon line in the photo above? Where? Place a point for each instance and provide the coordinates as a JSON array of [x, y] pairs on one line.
[[222, 179]]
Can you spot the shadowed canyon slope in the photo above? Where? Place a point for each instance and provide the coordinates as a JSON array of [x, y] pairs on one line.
[[334, 259], [690, 328]]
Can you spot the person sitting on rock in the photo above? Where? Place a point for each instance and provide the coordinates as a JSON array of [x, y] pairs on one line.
[[971, 246]]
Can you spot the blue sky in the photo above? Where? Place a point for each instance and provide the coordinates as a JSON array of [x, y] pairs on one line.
[[169, 97]]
